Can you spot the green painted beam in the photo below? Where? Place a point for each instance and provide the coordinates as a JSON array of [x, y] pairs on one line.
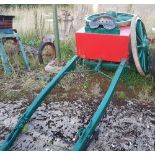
[[87, 132], [27, 64], [103, 65], [13, 35], [36, 103], [5, 63]]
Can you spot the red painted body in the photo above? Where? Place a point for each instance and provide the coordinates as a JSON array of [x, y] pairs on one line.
[[108, 47]]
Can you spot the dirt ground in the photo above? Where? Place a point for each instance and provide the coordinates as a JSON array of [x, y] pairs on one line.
[[129, 124]]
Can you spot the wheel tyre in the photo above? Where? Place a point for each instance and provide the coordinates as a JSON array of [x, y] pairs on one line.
[[41, 48]]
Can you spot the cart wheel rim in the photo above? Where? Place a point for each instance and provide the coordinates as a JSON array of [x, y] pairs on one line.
[[48, 53], [139, 45], [44, 55]]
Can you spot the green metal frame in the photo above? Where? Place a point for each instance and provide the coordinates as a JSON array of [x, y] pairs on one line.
[[87, 133], [5, 63], [106, 65], [97, 68]]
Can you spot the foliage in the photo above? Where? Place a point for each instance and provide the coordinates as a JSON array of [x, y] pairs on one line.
[[67, 49], [25, 128], [31, 41], [121, 95]]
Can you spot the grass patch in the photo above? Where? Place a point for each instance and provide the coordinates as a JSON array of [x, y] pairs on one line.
[[25, 129], [31, 41], [132, 80], [121, 95], [67, 49]]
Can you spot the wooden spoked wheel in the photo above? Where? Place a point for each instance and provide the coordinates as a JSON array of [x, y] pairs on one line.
[[139, 45]]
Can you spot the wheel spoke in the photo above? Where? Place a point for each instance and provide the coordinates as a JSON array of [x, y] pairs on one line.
[[140, 46], [145, 61], [142, 61], [140, 53], [141, 29], [139, 39]]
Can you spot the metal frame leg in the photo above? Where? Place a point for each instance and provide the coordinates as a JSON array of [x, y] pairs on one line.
[[5, 63], [27, 64]]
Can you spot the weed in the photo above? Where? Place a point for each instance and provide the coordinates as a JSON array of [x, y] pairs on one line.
[[67, 48], [121, 95], [31, 41], [146, 94], [25, 128]]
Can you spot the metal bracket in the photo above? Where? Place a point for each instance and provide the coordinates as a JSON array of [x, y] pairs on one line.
[[5, 63]]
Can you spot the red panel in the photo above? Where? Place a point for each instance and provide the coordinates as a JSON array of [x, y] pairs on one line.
[[103, 46]]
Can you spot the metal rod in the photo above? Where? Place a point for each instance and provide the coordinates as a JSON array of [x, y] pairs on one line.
[[103, 74], [56, 31], [36, 103], [104, 65], [81, 144], [98, 66], [27, 64], [5, 63]]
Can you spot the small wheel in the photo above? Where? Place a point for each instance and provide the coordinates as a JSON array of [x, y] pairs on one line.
[[47, 52], [139, 45]]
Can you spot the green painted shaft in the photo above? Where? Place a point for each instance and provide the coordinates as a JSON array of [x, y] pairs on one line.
[[36, 103], [27, 64], [5, 63], [81, 144], [56, 31]]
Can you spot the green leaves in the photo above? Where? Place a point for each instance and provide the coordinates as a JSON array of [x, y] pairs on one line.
[[25, 129]]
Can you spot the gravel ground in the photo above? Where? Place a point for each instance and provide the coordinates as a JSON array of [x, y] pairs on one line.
[[53, 126]]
